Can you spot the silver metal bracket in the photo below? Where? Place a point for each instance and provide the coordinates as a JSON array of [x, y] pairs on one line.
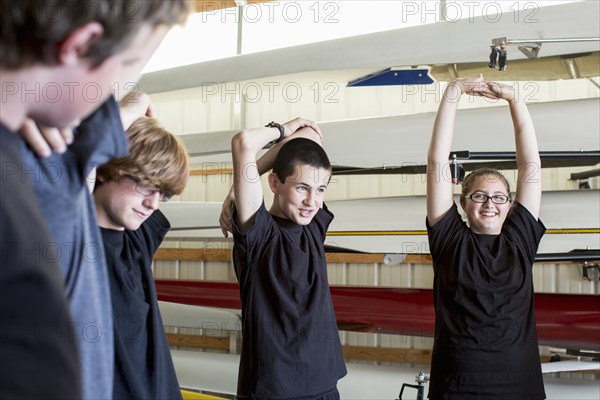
[[531, 50], [531, 47]]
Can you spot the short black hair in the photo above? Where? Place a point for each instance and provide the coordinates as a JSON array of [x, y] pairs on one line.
[[297, 152]]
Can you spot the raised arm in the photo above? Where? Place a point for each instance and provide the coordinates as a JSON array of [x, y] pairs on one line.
[[529, 181], [133, 106], [439, 184], [247, 186], [47, 140]]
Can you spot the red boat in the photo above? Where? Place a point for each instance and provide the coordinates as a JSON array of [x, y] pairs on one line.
[[563, 320]]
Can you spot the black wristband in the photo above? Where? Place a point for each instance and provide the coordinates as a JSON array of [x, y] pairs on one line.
[[274, 124]]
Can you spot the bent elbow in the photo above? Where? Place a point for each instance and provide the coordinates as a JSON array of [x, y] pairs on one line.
[[241, 141]]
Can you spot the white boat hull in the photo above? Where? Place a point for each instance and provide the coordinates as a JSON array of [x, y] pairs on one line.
[[402, 140], [458, 41], [397, 224]]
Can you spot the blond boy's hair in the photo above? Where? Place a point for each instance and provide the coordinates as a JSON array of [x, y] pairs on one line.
[[157, 159]]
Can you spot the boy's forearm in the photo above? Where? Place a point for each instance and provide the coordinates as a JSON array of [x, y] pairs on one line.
[[251, 141], [246, 144], [265, 162]]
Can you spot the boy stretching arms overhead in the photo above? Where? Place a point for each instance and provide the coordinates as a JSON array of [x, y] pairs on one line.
[[290, 346]]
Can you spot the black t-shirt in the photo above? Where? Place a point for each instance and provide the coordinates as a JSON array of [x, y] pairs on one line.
[[38, 353], [290, 342], [485, 333], [143, 364]]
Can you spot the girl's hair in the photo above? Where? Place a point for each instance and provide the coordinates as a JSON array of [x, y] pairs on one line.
[[488, 173], [156, 159]]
